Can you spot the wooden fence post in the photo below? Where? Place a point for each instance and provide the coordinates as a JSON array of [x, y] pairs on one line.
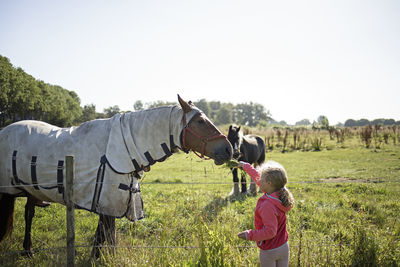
[[69, 192]]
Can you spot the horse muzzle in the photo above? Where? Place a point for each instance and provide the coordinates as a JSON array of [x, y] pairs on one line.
[[222, 153]]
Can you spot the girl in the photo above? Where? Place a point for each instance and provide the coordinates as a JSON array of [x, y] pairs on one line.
[[270, 214]]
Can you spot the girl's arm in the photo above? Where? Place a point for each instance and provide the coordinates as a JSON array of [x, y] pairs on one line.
[[254, 174]]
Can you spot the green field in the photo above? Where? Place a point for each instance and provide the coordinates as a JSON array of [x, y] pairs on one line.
[[346, 213]]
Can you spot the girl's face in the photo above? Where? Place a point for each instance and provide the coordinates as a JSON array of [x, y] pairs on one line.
[[266, 185]]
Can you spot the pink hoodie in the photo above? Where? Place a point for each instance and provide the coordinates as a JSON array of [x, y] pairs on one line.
[[269, 218]]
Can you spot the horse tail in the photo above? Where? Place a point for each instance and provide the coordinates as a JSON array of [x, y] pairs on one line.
[[6, 215]]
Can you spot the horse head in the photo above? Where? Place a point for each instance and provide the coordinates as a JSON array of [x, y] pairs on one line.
[[234, 137], [201, 136]]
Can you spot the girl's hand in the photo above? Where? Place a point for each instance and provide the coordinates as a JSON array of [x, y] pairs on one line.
[[242, 235], [239, 165]]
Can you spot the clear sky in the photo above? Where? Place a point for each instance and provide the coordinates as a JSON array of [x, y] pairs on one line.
[[300, 59]]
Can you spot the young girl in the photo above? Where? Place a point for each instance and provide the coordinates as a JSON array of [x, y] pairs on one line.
[[270, 215]]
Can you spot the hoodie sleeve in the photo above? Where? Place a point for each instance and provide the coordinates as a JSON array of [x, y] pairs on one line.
[[254, 174], [270, 224]]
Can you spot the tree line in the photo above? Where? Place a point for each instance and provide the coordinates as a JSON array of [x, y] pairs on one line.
[[24, 97], [250, 114], [365, 122]]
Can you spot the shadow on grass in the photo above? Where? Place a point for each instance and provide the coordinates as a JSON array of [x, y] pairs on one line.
[[214, 207]]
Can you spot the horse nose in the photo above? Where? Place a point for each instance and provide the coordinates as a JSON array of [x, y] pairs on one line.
[[222, 153]]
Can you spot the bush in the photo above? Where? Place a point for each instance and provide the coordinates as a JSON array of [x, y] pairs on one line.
[[316, 143], [366, 135]]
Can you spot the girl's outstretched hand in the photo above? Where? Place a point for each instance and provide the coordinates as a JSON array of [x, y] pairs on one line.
[[240, 164], [242, 235]]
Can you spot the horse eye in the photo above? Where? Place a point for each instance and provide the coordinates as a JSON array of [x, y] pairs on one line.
[[201, 121]]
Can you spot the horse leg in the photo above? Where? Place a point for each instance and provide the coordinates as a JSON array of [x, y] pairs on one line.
[[105, 232], [29, 214], [243, 183], [6, 215], [235, 191]]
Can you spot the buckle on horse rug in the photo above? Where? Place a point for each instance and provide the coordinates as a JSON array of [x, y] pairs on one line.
[[126, 187]]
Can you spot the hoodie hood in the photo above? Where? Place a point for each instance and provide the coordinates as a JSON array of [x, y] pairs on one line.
[[274, 198]]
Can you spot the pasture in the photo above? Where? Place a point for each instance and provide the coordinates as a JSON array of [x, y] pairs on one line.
[[346, 212]]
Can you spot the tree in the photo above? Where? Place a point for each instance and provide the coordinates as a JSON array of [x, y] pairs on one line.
[[224, 116], [214, 107], [24, 97], [159, 103], [350, 123], [73, 104], [203, 105], [6, 70], [260, 113], [389, 122], [111, 111], [63, 106], [304, 122], [88, 113], [363, 122], [323, 122], [250, 114], [138, 105], [383, 122], [283, 123]]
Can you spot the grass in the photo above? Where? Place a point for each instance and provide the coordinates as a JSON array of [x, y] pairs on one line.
[[346, 213]]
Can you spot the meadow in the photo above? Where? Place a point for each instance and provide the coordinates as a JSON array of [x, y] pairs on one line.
[[346, 213]]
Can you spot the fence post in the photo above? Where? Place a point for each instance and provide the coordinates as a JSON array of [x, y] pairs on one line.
[[69, 192]]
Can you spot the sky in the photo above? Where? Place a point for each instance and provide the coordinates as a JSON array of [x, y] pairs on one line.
[[299, 59]]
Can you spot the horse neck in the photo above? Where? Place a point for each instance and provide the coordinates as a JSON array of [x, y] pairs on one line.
[[176, 125], [172, 115], [176, 122], [168, 117]]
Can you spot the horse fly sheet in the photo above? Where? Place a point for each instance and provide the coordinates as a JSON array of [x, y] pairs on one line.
[[110, 155]]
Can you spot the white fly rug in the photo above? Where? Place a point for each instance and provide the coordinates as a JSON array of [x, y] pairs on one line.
[[109, 155]]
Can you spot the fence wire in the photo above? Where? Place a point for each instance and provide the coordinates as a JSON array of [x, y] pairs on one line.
[[199, 183]]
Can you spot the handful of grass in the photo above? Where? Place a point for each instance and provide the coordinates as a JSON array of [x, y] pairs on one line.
[[232, 163]]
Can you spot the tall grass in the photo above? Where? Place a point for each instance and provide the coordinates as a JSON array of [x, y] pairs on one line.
[[346, 213]]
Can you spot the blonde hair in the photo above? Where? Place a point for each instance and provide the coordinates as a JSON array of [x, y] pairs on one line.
[[275, 173]]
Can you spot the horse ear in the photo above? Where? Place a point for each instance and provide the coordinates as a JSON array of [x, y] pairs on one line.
[[230, 127], [185, 106], [238, 129]]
